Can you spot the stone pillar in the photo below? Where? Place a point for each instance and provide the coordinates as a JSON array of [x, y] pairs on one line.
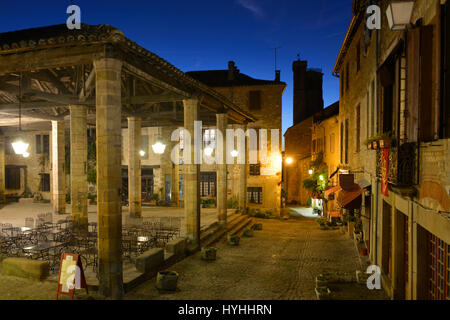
[[243, 177], [2, 169], [58, 167], [109, 177], [222, 123], [78, 168], [134, 167], [191, 177]]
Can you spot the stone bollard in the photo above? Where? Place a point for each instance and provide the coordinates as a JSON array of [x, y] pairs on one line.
[[167, 280], [209, 254], [233, 240]]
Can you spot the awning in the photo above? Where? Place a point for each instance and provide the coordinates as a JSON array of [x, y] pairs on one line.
[[332, 190], [364, 183], [350, 199]]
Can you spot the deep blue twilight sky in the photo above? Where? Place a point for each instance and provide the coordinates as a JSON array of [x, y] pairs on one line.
[[206, 34]]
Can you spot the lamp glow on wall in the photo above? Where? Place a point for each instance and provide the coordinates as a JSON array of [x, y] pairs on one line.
[[399, 14], [20, 147]]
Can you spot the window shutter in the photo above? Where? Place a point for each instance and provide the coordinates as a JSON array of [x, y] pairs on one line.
[[426, 82], [413, 83]]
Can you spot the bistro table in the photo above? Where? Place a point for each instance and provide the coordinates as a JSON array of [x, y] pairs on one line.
[[49, 251]]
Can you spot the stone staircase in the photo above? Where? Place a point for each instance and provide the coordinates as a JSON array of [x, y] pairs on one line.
[[235, 225]]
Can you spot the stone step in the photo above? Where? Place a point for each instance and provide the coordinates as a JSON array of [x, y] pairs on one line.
[[238, 229], [212, 235]]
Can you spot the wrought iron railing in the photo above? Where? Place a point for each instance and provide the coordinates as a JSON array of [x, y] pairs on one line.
[[402, 165]]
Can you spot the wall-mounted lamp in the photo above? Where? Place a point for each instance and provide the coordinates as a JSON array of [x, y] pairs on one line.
[[234, 153], [399, 13], [289, 160], [142, 153]]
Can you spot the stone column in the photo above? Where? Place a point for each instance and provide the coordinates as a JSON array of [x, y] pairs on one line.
[[109, 180], [78, 168], [2, 169], [134, 167], [243, 177], [191, 177], [58, 167], [222, 123]]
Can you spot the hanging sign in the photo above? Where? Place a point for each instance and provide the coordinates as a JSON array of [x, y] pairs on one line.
[[385, 172], [71, 275]]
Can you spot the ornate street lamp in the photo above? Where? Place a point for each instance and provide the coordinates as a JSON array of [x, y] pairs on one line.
[[20, 147], [399, 14]]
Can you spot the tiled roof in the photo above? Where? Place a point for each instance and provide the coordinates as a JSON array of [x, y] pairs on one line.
[[219, 78]]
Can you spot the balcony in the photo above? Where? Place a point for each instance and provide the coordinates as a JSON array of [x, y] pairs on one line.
[[402, 165]]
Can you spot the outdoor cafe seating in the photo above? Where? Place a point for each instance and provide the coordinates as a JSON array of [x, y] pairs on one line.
[[42, 239]]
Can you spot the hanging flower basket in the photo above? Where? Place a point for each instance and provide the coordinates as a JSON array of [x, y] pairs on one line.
[[385, 143]]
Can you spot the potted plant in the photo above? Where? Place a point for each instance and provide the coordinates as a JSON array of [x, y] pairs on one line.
[[248, 233], [154, 198], [233, 240], [323, 293], [209, 254], [167, 280]]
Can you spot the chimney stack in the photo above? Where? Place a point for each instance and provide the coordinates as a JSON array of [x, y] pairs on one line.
[[231, 70]]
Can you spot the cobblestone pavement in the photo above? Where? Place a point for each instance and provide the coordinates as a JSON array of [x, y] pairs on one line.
[[280, 262]]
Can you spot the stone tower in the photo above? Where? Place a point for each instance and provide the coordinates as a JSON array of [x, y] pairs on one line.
[[308, 93]]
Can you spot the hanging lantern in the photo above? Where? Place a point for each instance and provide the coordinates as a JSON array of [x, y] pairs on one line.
[[19, 146], [159, 147], [399, 14], [208, 151]]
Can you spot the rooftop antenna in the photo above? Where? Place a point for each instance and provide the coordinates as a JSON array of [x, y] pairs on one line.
[[276, 51]]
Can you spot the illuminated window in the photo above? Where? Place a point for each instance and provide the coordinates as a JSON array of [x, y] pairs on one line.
[[209, 138], [254, 195]]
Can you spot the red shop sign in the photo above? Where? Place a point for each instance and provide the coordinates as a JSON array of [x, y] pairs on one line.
[[385, 172]]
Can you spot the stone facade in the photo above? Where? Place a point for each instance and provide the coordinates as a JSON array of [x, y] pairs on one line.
[[238, 87], [298, 141], [398, 227]]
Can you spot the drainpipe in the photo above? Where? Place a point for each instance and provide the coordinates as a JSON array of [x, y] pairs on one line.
[[377, 108]]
